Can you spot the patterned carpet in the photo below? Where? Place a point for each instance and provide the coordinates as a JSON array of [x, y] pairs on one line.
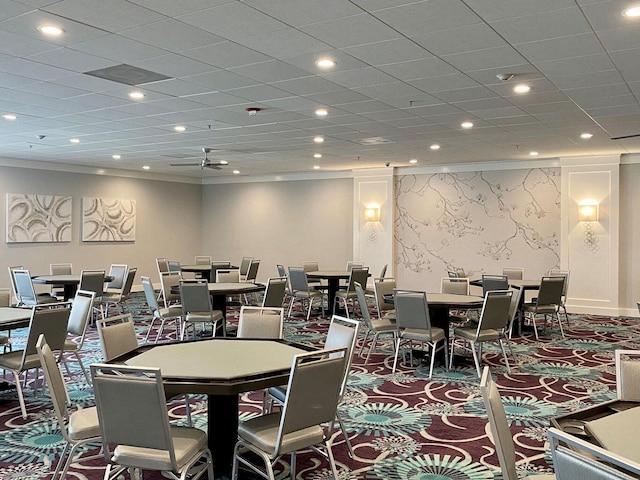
[[402, 426]]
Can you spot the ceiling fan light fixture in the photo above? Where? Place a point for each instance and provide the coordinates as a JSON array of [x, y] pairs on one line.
[[50, 30], [253, 110], [632, 12]]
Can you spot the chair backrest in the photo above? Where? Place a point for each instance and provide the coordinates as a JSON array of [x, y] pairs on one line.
[[383, 272], [359, 275], [298, 279], [313, 392], [227, 276], [494, 282], [5, 297], [258, 322], [55, 381], [221, 263], [80, 312], [132, 411], [456, 286], [452, 274], [343, 333], [550, 292], [499, 426], [119, 273], [628, 375], [168, 280], [244, 265], [25, 293], [554, 272], [162, 265], [274, 293], [128, 283], [351, 265], [150, 295], [50, 321], [117, 336], [364, 309], [60, 269], [195, 297], [282, 272], [412, 310], [252, 273], [461, 273], [310, 266], [92, 281], [174, 266], [203, 259], [514, 305], [513, 273], [575, 458], [495, 310], [14, 287], [381, 288]]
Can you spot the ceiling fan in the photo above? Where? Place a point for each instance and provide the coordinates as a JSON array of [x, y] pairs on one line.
[[626, 136], [204, 163]]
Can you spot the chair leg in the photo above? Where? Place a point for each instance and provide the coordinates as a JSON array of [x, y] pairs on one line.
[[344, 434], [23, 408], [433, 359], [475, 358], [395, 359], [84, 370], [371, 347], [504, 355]]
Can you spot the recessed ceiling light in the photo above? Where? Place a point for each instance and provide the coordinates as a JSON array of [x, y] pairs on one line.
[[317, 155], [50, 30], [9, 116], [116, 157], [522, 88], [146, 167], [74, 140], [413, 160], [632, 12], [435, 146], [136, 95], [466, 124], [322, 112], [223, 162], [318, 139], [586, 136], [100, 171], [316, 167], [326, 62], [533, 153], [179, 128], [236, 172]]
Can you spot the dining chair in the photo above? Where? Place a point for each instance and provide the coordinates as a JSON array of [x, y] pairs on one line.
[[5, 301], [79, 427], [576, 458], [381, 288], [136, 433], [311, 401], [357, 275], [196, 307], [161, 264], [119, 297], [118, 274], [260, 322], [164, 315], [351, 264], [513, 273], [50, 320], [274, 292], [202, 260], [369, 290], [494, 282], [117, 336], [169, 281], [244, 266], [414, 325], [562, 273], [252, 272], [288, 294], [174, 266], [493, 326], [301, 291], [547, 303], [313, 266], [93, 281], [25, 292], [59, 269], [79, 317], [500, 432], [380, 326], [627, 364], [228, 276]]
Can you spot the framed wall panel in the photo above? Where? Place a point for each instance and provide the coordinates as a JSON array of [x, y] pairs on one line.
[[34, 218], [108, 220]]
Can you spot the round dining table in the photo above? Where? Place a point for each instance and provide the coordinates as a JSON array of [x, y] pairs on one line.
[[69, 282], [206, 270], [333, 278]]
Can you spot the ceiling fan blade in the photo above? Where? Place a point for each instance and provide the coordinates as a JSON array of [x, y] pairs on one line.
[[213, 166], [199, 164], [626, 136]]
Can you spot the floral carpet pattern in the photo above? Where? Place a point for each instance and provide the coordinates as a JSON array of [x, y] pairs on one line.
[[403, 426]]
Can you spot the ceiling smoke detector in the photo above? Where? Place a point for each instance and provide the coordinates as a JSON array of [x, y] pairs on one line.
[[253, 110], [505, 77]]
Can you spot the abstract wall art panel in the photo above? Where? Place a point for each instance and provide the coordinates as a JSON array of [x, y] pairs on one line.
[[108, 220], [38, 218]]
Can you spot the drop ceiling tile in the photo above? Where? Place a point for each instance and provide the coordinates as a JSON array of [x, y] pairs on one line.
[[338, 97], [393, 51], [613, 101], [351, 31], [172, 8], [502, 9], [306, 86], [465, 94], [601, 91], [226, 55], [217, 80], [363, 107], [73, 60], [119, 49], [52, 90], [175, 65], [408, 101], [259, 93], [432, 85], [500, 113], [605, 15], [496, 57], [592, 79], [177, 104], [112, 16], [303, 12], [460, 40], [233, 20], [575, 66], [19, 46], [284, 43], [270, 71], [29, 69], [361, 77], [293, 103], [628, 63], [307, 62], [559, 48], [615, 111], [481, 105], [9, 80], [218, 99], [172, 35], [418, 69]]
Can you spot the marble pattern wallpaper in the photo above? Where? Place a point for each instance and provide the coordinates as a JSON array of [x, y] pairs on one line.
[[108, 220], [35, 218], [478, 221]]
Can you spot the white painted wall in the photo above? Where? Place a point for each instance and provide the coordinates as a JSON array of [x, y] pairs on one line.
[[168, 222], [279, 222], [629, 235]]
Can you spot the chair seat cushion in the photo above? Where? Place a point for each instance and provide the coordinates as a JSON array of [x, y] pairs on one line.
[[171, 311], [422, 335], [13, 360], [83, 424], [187, 443], [470, 334], [543, 309], [70, 345], [204, 316], [262, 432], [383, 324]]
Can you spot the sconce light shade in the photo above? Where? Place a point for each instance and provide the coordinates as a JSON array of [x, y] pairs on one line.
[[588, 213], [372, 214]]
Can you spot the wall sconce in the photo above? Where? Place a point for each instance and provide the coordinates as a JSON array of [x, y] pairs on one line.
[[372, 214], [588, 212]]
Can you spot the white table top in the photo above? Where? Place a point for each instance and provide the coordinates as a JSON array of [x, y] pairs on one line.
[[14, 317]]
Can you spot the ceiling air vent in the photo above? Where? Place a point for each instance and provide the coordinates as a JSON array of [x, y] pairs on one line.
[[127, 74]]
